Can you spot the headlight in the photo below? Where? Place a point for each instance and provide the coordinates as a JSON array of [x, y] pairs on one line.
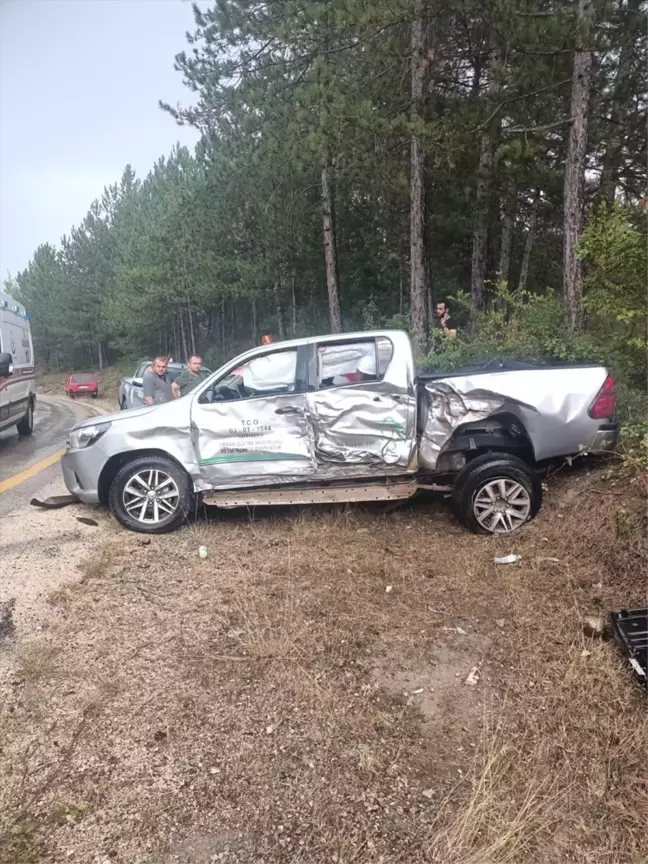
[[86, 435]]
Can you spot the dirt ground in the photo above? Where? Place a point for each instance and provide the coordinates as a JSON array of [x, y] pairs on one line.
[[301, 694]]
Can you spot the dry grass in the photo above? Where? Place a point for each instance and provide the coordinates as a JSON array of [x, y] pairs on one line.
[[275, 702], [35, 661], [490, 824]]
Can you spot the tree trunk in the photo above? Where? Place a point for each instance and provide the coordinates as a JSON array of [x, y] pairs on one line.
[[183, 333], [222, 326], [293, 302], [330, 249], [482, 200], [402, 269], [192, 335], [506, 243], [255, 322], [574, 191], [100, 356], [418, 252], [279, 309], [621, 94], [528, 246]]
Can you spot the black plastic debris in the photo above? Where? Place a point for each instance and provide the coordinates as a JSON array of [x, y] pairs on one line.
[[84, 520], [630, 629], [54, 502]]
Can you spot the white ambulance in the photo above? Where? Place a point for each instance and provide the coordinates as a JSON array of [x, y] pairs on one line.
[[17, 375]]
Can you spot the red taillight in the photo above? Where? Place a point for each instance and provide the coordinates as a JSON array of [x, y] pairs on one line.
[[604, 405]]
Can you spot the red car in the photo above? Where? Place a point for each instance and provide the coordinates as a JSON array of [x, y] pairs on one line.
[[82, 384]]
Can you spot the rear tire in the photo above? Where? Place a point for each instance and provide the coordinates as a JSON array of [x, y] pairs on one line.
[[133, 501], [26, 425], [496, 494]]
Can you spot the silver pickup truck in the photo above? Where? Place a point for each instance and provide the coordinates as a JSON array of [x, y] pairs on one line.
[[344, 418]]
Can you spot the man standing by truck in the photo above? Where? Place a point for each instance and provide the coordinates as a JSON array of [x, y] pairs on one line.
[[189, 377], [156, 387]]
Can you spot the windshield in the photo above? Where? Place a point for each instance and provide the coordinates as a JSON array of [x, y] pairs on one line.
[[82, 379]]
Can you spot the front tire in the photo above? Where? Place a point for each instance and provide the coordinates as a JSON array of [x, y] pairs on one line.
[[151, 495], [496, 494], [26, 425]]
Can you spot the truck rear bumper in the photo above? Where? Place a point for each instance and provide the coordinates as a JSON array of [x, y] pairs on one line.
[[606, 439]]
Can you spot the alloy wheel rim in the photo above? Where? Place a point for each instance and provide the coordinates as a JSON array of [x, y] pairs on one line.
[[151, 496], [502, 506]]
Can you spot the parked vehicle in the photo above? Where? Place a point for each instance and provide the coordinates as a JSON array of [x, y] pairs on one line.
[[17, 377], [82, 384], [344, 418], [130, 394]]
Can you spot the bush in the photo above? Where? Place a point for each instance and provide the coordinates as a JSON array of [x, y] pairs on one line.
[[526, 327], [614, 247], [532, 329]]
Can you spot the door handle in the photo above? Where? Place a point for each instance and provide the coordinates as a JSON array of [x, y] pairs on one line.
[[396, 398], [289, 409]]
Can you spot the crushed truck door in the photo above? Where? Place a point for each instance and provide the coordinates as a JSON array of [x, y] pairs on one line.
[[362, 405], [249, 425]]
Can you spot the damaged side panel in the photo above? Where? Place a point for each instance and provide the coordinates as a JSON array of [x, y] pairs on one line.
[[174, 440], [253, 442], [359, 426], [551, 405], [366, 427], [447, 408], [351, 413]]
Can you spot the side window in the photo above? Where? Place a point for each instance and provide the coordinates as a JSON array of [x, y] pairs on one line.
[[272, 374], [141, 370], [339, 365]]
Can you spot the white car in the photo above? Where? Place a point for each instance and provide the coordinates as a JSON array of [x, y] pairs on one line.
[[17, 374]]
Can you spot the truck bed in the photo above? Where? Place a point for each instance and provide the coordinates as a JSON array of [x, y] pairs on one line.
[[544, 409], [496, 364]]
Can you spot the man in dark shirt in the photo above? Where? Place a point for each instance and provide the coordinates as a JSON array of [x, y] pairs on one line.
[[156, 387], [445, 321], [189, 377]]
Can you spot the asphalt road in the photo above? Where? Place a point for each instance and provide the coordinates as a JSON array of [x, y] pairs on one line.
[[29, 464]]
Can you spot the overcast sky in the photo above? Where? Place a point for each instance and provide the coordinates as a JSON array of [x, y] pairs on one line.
[[79, 87]]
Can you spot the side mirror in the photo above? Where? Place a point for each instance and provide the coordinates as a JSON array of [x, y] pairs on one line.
[[6, 365]]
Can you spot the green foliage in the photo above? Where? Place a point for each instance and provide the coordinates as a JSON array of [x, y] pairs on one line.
[[531, 328], [526, 327], [614, 247]]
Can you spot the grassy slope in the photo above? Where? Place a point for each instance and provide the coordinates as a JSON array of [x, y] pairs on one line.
[[276, 702]]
